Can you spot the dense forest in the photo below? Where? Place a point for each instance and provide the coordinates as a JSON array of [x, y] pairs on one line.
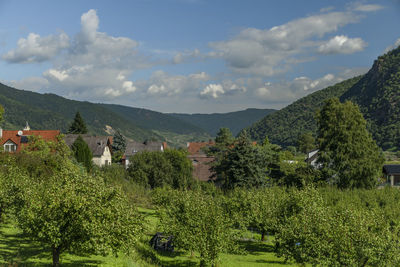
[[377, 94], [234, 121]]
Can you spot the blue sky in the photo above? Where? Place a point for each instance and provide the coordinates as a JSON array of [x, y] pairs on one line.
[[191, 56]]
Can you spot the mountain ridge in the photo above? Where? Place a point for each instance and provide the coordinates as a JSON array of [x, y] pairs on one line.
[[377, 93]]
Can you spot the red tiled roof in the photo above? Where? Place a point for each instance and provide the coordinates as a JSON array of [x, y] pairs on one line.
[[48, 135], [195, 147]]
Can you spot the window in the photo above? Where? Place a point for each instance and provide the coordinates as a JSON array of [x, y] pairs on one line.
[[10, 147]]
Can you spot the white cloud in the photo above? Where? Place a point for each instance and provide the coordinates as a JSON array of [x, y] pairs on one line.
[[212, 90], [367, 7], [272, 51], [37, 49], [342, 44], [95, 65], [227, 87]]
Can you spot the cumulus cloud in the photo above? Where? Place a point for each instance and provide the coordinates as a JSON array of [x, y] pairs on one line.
[[342, 44], [227, 87], [35, 48], [212, 90], [268, 52]]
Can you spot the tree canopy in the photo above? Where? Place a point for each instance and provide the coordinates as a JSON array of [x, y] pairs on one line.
[[349, 156], [243, 165], [82, 152], [78, 126], [65, 208]]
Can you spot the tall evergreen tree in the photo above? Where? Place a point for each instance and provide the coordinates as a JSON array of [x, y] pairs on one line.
[[119, 143], [244, 165], [349, 156], [82, 152], [118, 146], [78, 126]]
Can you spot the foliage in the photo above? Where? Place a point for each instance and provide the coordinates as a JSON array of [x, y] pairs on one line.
[[78, 126], [284, 127], [119, 142], [349, 156], [198, 224], [118, 146], [376, 92], [313, 232], [243, 165], [49, 111], [67, 209], [306, 142], [82, 153], [158, 169]]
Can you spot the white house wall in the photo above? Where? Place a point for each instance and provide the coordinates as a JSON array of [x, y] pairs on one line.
[[103, 159]]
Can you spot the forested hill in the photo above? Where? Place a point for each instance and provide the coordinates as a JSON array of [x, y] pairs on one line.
[[235, 121], [377, 93], [286, 125], [49, 111]]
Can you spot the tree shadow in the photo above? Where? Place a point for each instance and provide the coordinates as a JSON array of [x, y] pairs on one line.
[[256, 247], [17, 249]]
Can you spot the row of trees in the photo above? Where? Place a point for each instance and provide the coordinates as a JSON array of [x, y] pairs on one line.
[[326, 226]]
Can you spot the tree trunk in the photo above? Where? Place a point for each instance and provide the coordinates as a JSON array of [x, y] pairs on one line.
[[56, 256], [262, 236]]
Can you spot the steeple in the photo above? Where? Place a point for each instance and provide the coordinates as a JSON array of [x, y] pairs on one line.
[[27, 128]]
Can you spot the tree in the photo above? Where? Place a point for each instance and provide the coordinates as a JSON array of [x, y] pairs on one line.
[[158, 169], [198, 224], [306, 142], [78, 126], [224, 137], [349, 156], [118, 146], [82, 153], [70, 210], [244, 165]]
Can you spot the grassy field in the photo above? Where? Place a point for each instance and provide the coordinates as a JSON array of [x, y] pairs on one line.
[[17, 250]]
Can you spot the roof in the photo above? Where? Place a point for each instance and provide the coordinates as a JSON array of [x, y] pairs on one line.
[[47, 135], [391, 169], [202, 167], [133, 147], [96, 144], [195, 147]]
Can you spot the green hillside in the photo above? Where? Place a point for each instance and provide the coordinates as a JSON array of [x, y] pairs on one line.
[[49, 111], [235, 121], [377, 93]]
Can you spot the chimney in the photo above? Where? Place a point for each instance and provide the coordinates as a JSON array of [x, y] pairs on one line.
[[1, 132]]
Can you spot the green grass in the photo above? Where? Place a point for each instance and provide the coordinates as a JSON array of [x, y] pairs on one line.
[[255, 253], [17, 250]]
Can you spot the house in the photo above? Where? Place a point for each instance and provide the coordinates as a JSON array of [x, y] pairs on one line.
[[100, 146], [312, 158], [392, 174], [200, 160], [13, 141], [135, 147]]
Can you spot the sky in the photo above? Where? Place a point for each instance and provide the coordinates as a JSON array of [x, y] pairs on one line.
[[191, 56]]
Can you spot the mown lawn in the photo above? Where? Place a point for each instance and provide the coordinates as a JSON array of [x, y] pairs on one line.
[[255, 253], [18, 250]]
